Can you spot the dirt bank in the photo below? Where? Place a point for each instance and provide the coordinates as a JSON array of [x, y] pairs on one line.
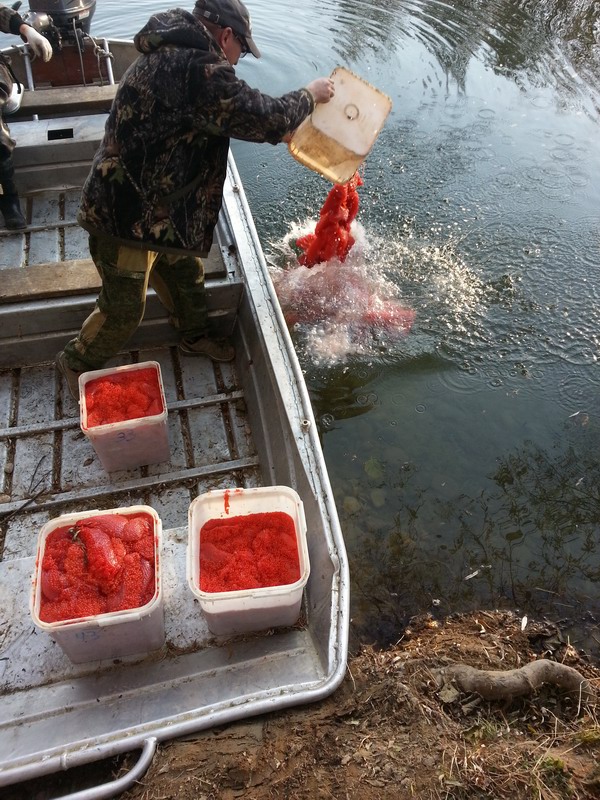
[[394, 730]]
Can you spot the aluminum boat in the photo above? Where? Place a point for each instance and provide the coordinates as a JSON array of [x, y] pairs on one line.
[[244, 424]]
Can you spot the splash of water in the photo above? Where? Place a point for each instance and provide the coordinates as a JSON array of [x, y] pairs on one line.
[[364, 307], [338, 309]]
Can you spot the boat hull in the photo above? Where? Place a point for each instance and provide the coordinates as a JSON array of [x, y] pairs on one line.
[[249, 423]]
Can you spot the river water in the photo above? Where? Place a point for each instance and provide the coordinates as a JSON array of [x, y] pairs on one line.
[[464, 456]]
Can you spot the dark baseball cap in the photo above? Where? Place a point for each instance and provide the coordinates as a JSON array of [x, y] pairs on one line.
[[229, 14]]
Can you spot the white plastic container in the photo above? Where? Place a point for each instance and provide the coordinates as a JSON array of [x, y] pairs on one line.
[[111, 635], [338, 135], [133, 442], [235, 612]]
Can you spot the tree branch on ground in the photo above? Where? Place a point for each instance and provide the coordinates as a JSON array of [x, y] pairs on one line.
[[506, 684]]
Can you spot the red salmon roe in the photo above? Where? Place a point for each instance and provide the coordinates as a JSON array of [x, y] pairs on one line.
[[122, 396], [248, 552], [332, 237], [98, 565]]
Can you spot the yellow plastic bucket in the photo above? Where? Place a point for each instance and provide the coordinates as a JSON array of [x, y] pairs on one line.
[[338, 136]]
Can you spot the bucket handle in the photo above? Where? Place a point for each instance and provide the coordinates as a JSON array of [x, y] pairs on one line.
[[113, 788]]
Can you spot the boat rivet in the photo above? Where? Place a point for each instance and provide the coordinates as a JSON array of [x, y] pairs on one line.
[[305, 424]]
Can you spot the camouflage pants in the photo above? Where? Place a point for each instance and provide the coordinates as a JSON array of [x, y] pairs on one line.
[[126, 273]]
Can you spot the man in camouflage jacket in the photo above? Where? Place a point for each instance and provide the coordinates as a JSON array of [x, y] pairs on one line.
[[12, 22], [153, 195]]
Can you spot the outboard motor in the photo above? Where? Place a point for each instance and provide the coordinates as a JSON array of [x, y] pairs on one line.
[[67, 14], [61, 19]]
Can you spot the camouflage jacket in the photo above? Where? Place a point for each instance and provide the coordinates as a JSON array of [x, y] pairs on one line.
[[157, 179], [10, 21]]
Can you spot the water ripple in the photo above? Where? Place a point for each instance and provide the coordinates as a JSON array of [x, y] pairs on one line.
[[577, 391]]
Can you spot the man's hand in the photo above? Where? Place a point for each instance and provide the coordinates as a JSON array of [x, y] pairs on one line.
[[322, 89], [38, 43]]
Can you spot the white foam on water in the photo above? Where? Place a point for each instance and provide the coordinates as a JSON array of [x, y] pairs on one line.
[[365, 306], [337, 310]]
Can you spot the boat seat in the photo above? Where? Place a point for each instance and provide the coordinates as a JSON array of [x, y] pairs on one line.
[[75, 277], [55, 153], [63, 100], [52, 301]]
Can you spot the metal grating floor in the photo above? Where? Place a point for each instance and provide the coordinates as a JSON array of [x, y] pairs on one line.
[[52, 234], [49, 467]]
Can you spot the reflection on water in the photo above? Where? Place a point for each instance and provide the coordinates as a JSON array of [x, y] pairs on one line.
[[524, 542], [549, 43], [341, 390], [463, 456]]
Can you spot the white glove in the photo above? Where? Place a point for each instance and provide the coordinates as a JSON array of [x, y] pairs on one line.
[[38, 43]]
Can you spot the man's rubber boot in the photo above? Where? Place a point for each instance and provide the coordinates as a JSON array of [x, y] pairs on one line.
[[11, 211], [9, 198]]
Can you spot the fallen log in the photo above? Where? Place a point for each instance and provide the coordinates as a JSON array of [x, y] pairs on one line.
[[506, 684]]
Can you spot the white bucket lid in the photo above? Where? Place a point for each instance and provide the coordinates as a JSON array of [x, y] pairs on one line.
[[354, 115]]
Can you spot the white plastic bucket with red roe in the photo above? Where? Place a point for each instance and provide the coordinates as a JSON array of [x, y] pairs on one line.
[[247, 558], [123, 412], [97, 588]]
